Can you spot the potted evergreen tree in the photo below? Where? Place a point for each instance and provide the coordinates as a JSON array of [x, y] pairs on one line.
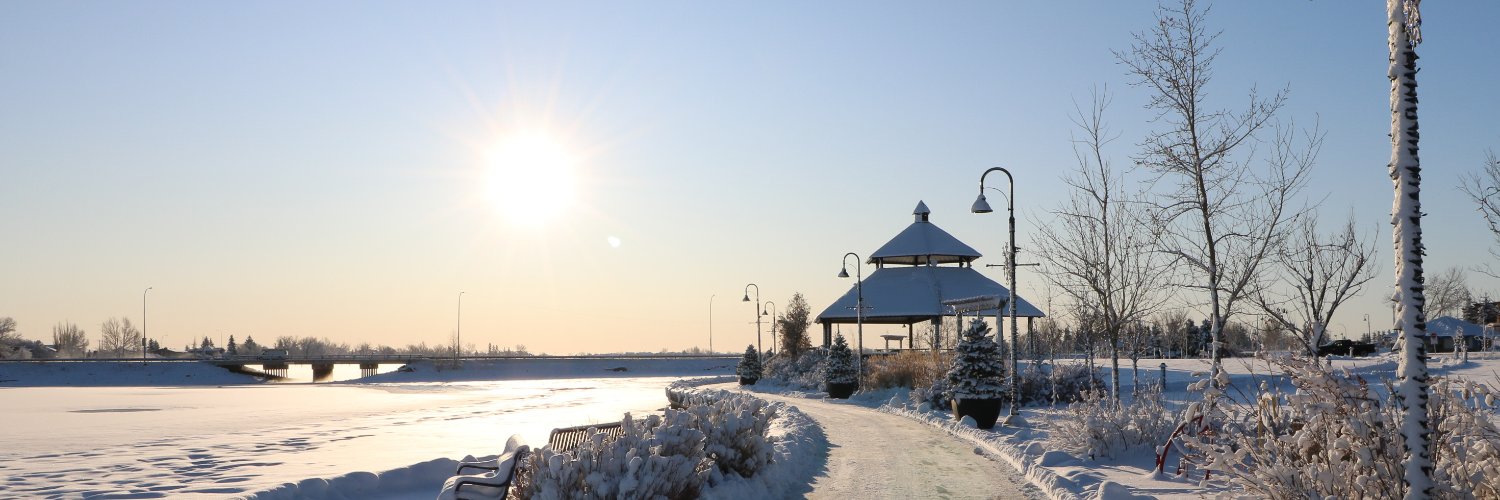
[[977, 376], [839, 375], [749, 368]]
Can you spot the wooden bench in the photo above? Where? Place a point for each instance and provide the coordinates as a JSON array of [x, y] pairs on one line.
[[568, 438], [495, 476]]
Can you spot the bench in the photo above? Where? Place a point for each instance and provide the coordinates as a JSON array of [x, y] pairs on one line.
[[567, 438], [495, 477]]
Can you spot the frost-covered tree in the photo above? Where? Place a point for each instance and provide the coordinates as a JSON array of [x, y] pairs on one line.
[[1484, 189], [1221, 209], [71, 341], [1403, 24], [250, 348], [118, 337], [232, 348], [1099, 250], [840, 368], [978, 370], [749, 367], [1447, 293], [1318, 274]]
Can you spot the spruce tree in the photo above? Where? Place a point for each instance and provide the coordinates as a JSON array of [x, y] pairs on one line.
[[231, 347], [840, 368], [749, 368], [978, 371]]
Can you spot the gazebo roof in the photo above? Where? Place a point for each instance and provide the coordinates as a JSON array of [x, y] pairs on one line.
[[923, 243], [904, 295]]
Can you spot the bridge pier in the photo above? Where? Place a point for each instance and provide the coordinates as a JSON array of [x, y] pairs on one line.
[[321, 371], [368, 369], [274, 368]]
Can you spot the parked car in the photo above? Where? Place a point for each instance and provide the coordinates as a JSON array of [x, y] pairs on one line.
[[1345, 347], [273, 354]]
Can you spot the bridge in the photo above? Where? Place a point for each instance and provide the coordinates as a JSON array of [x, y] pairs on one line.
[[322, 366]]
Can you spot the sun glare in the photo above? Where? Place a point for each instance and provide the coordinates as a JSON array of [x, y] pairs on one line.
[[531, 179]]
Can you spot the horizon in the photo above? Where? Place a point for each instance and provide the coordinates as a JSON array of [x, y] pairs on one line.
[[337, 170]]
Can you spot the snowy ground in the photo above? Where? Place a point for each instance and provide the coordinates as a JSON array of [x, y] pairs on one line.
[[399, 440]]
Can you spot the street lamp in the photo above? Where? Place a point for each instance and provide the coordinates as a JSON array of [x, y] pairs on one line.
[[459, 336], [983, 207], [859, 306], [773, 322], [711, 323], [143, 325], [758, 350]]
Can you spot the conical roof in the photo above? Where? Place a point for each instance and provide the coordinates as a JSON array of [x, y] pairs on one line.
[[923, 243], [903, 295]]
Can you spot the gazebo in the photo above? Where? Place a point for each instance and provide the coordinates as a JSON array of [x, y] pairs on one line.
[[911, 282]]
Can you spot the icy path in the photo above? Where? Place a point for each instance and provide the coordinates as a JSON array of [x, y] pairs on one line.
[[879, 455]]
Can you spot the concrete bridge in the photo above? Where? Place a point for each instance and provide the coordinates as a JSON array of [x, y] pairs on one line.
[[322, 366]]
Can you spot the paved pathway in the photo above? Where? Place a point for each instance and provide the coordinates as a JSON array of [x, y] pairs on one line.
[[874, 455]]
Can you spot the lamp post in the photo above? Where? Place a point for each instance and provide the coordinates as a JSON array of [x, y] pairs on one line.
[[758, 351], [143, 325], [711, 323], [458, 346], [773, 322], [859, 306], [983, 207]]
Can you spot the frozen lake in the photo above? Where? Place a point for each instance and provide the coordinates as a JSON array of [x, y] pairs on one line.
[[146, 442]]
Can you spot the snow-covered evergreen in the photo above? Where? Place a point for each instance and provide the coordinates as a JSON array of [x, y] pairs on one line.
[[978, 371], [749, 367], [840, 367]]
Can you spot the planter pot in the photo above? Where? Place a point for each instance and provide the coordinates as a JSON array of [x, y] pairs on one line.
[[748, 381], [984, 411], [841, 391]]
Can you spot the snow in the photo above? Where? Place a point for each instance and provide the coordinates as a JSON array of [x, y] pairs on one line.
[[116, 374], [292, 440]]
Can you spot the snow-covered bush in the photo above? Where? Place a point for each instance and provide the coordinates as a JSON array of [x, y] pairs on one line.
[[977, 372], [840, 366], [803, 371], [735, 433], [749, 367], [659, 457], [939, 395], [1336, 437], [1102, 427]]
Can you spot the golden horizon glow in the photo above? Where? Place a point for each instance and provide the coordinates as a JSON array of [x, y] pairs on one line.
[[531, 179]]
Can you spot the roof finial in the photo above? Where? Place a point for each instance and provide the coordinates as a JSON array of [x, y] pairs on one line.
[[921, 211]]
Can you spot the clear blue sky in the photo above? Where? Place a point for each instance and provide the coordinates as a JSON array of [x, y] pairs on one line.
[[282, 168]]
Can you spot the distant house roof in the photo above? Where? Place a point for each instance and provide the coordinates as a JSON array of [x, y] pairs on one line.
[[904, 295], [1448, 326], [923, 243]]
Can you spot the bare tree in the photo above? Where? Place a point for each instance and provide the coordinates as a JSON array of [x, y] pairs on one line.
[[1448, 293], [1317, 275], [1403, 24], [1219, 215], [1484, 189], [1099, 251], [70, 340], [118, 337]]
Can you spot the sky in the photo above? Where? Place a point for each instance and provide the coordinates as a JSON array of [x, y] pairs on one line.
[[346, 169]]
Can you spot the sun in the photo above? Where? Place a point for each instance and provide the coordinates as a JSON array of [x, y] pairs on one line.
[[531, 179]]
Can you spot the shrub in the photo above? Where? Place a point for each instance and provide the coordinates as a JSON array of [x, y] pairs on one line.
[[1335, 437], [977, 372], [749, 367], [805, 370], [1102, 426], [656, 458], [840, 366], [906, 369], [735, 433]]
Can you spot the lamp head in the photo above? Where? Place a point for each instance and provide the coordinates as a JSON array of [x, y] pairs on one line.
[[747, 297], [980, 205], [844, 272]]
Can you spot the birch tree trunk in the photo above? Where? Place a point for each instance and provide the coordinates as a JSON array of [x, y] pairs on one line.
[[1405, 171]]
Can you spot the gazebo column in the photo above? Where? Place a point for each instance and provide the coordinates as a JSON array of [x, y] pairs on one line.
[[827, 334], [937, 333], [910, 337]]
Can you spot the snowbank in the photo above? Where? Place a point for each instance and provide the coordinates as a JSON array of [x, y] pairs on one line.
[[799, 449], [554, 368], [414, 481], [116, 374]]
